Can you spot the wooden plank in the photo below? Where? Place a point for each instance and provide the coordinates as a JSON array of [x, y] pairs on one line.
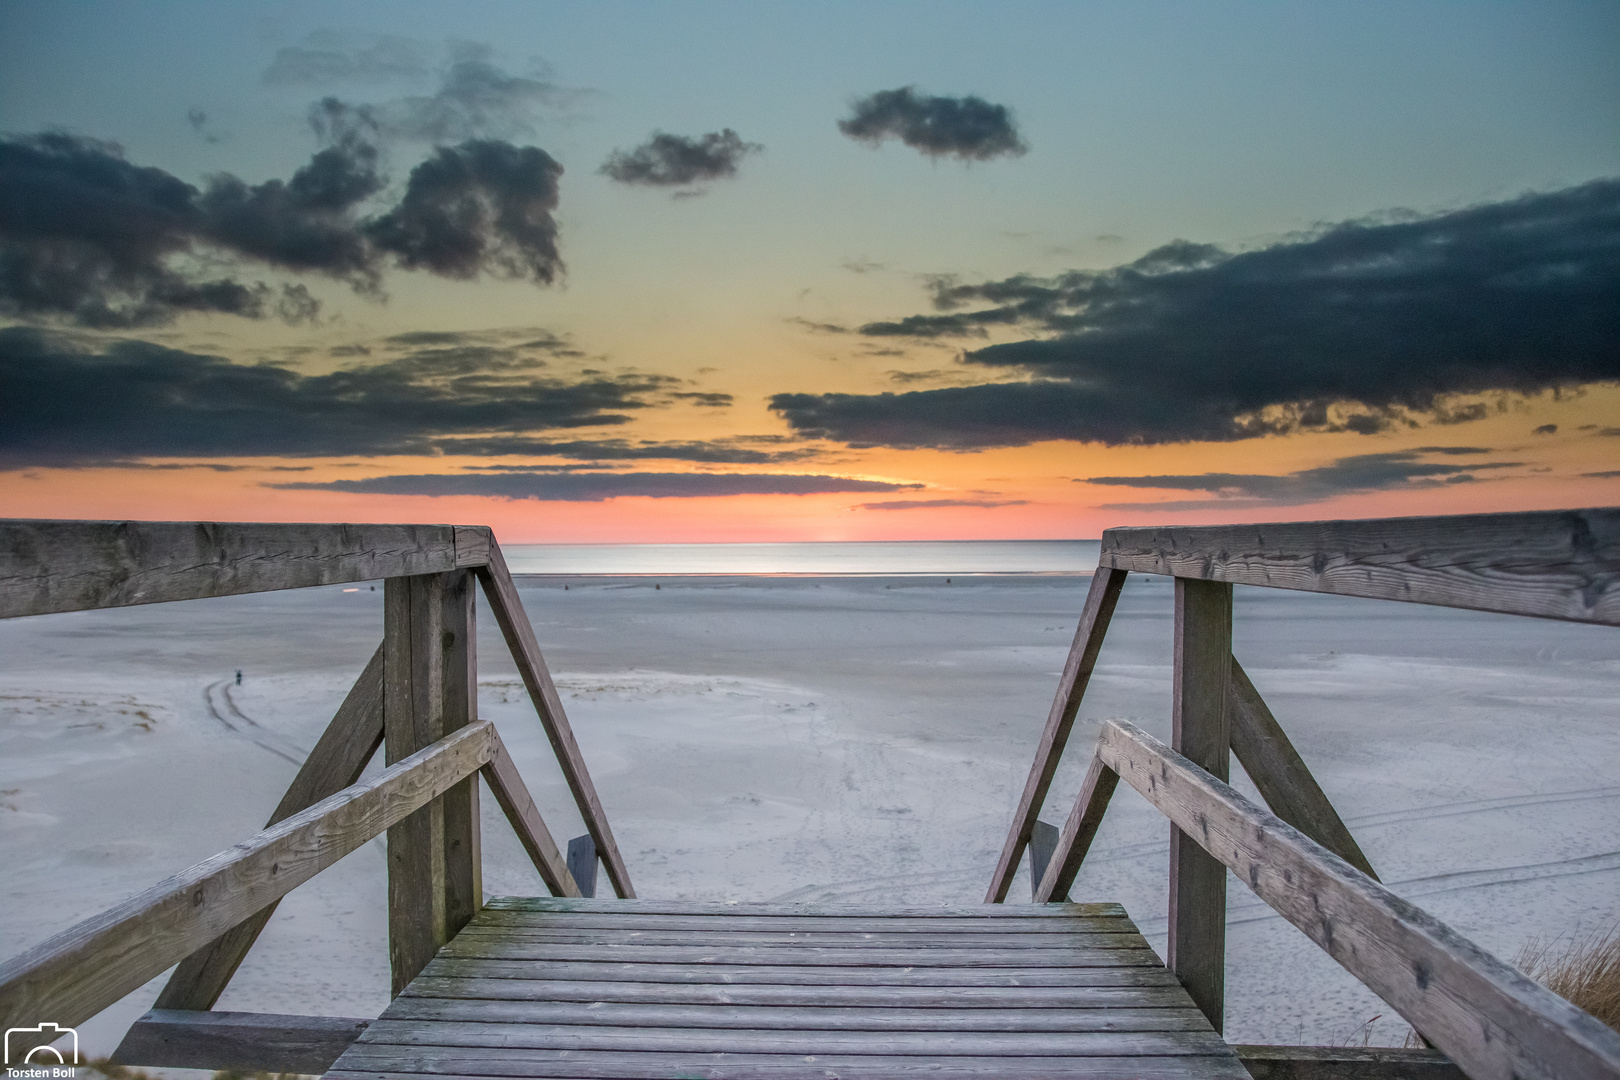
[[337, 761], [1078, 832], [1101, 598], [1281, 776], [519, 634], [860, 956], [898, 911], [377, 1061], [1489, 1018], [50, 566], [1559, 564], [1166, 995], [582, 863], [434, 882], [239, 1042], [565, 935], [940, 1044], [1110, 924], [1200, 726], [515, 802], [1043, 840], [620, 971], [1346, 1063], [797, 1018], [77, 973]]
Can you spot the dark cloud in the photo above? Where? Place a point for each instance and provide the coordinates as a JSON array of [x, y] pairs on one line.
[[968, 128], [63, 400], [666, 160], [1358, 327], [199, 123], [1397, 470], [1610, 431], [88, 237], [595, 487], [717, 451], [1546, 429], [704, 398], [1607, 474], [818, 327], [481, 207], [934, 504]]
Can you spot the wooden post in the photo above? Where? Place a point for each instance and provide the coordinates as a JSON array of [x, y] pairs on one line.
[[434, 882], [1200, 730]]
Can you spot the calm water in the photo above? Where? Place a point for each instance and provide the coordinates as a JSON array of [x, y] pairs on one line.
[[854, 557]]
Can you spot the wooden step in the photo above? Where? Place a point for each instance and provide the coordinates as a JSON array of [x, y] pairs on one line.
[[640, 989]]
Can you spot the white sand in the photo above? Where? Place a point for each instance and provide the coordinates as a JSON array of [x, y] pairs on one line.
[[832, 739]]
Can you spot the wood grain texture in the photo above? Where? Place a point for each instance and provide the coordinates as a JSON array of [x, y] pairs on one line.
[[50, 566], [937, 1044], [380, 1061], [1486, 1016], [742, 924], [776, 1017], [519, 633], [1200, 729], [831, 911], [1560, 564], [1281, 776], [77, 973], [1164, 995], [518, 806], [562, 932], [338, 759], [1064, 956], [1078, 832], [434, 882], [1346, 1063], [621, 971], [582, 863], [239, 1042], [1101, 599]]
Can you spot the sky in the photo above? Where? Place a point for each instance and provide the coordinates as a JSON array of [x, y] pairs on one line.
[[661, 272]]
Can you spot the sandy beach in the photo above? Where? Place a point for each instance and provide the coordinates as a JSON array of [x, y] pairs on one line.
[[834, 739]]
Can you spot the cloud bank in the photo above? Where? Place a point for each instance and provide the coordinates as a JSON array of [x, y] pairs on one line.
[[666, 160], [1360, 326], [68, 401], [1357, 474], [595, 487], [92, 239], [967, 128]]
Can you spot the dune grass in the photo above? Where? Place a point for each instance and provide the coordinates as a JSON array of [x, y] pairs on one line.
[[1583, 970]]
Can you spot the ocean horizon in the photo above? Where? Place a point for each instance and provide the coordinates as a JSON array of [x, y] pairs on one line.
[[813, 558]]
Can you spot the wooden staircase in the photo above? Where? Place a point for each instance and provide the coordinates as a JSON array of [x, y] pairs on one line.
[[638, 988]]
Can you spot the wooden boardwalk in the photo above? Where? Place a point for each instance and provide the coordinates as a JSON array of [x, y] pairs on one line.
[[637, 988]]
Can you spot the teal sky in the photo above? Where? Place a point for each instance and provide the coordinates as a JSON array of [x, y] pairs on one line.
[[1238, 124]]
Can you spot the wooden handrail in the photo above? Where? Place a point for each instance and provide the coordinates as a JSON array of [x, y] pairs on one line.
[[519, 634], [1561, 564], [52, 566], [1486, 1016], [79, 972]]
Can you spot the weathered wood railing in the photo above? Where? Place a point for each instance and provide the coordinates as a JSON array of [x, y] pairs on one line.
[[416, 698], [1299, 857]]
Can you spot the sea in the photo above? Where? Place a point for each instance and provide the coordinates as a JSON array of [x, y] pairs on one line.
[[839, 558]]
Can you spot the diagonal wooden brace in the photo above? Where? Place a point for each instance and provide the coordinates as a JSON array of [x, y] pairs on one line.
[[337, 761]]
